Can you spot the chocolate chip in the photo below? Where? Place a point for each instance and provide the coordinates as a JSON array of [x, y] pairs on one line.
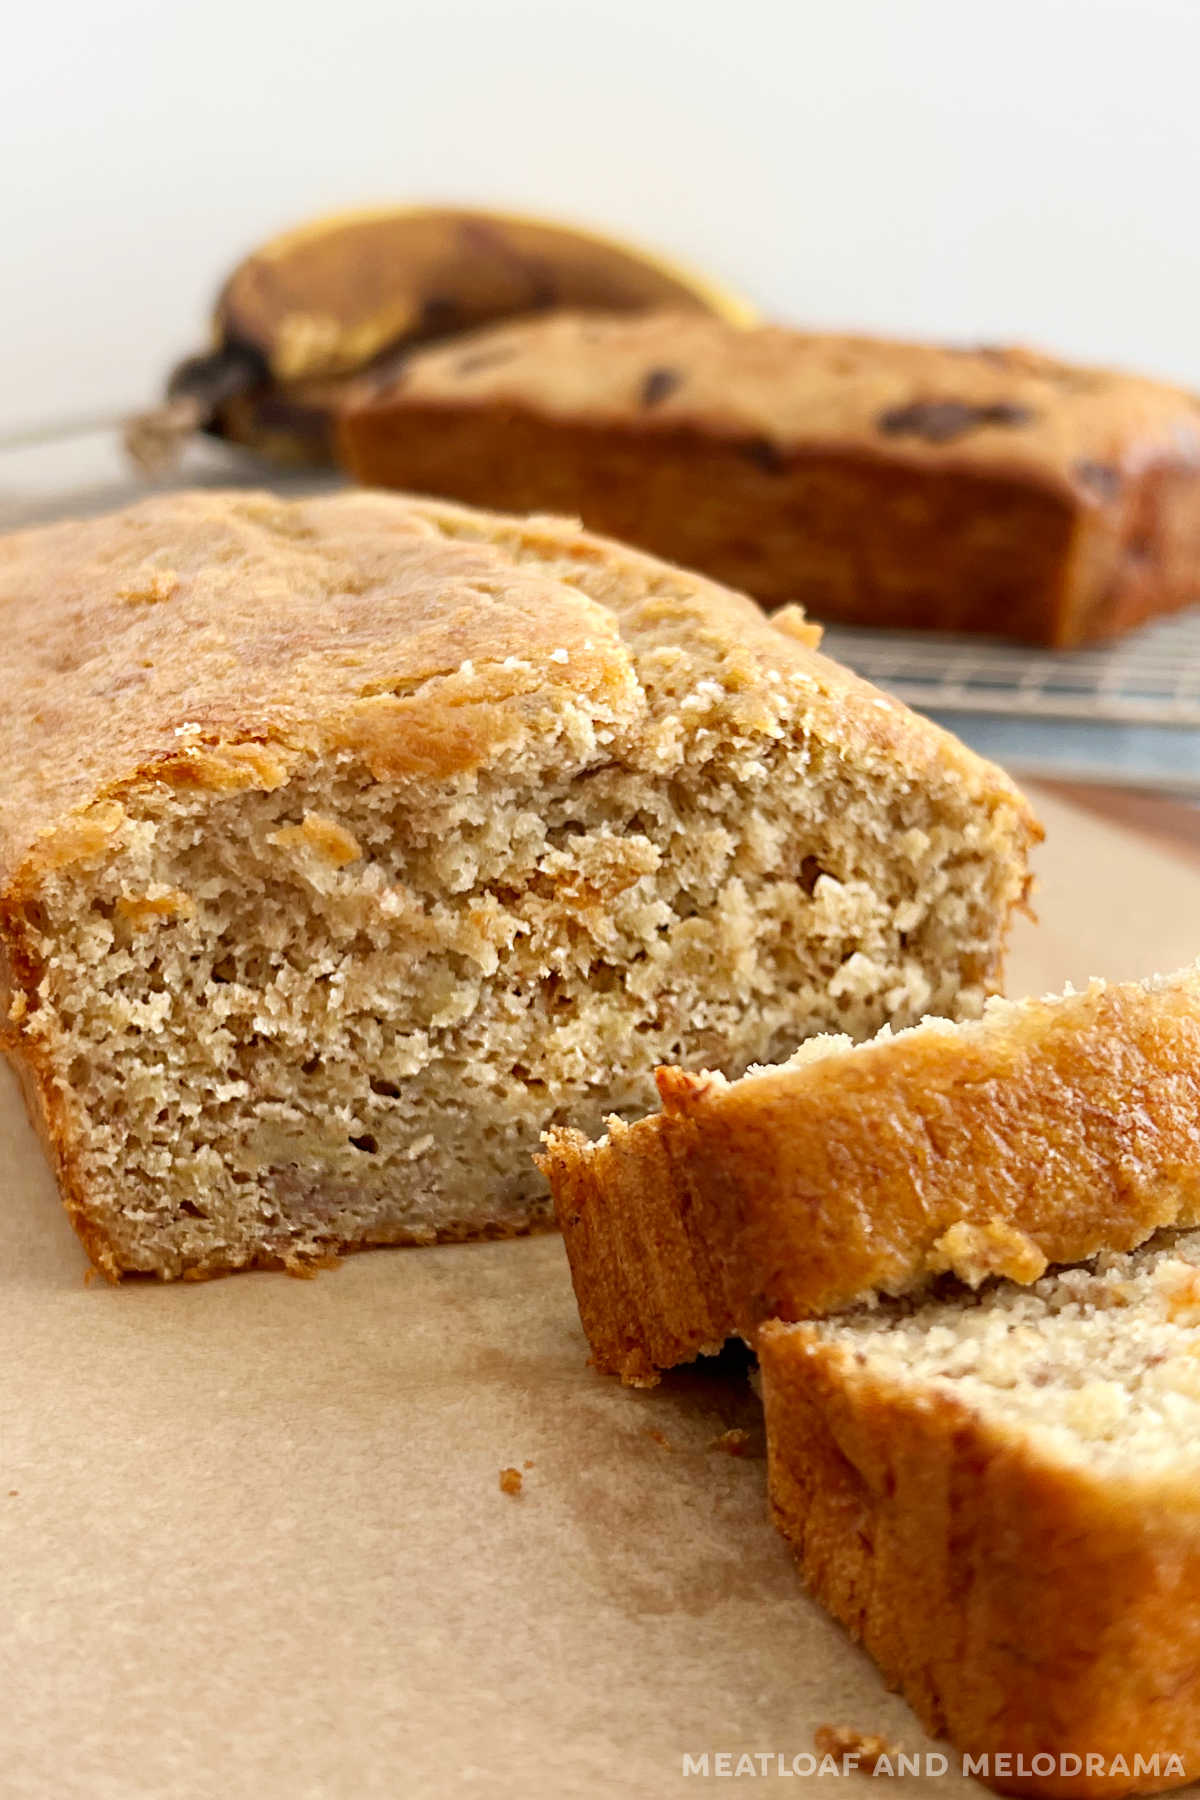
[[1005, 412], [659, 385], [766, 455], [940, 421], [935, 420], [1101, 479]]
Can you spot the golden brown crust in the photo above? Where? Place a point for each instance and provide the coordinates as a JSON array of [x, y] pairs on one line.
[[877, 482], [284, 629], [1021, 1605], [213, 639], [1041, 1134]]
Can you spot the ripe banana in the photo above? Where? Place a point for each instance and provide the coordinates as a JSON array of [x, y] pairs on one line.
[[311, 309]]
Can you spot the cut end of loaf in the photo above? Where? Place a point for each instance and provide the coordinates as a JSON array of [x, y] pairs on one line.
[[1097, 1367], [276, 1023], [320, 985]]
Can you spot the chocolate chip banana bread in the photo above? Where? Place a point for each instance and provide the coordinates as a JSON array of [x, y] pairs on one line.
[[876, 483], [1044, 1132], [999, 1495], [345, 843]]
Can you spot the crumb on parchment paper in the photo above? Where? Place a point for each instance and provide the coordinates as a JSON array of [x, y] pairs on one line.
[[734, 1442], [309, 1267], [843, 1740], [511, 1481]]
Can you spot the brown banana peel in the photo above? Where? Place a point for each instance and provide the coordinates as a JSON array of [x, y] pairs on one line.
[[312, 309]]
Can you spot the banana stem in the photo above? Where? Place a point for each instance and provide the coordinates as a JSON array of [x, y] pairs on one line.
[[154, 440], [196, 392]]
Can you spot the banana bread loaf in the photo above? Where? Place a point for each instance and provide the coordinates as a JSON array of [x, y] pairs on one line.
[[1044, 1132], [344, 843], [999, 1495], [877, 483]]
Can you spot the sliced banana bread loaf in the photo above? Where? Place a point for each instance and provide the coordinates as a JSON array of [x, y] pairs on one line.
[[999, 1495], [877, 483], [344, 843], [1043, 1132]]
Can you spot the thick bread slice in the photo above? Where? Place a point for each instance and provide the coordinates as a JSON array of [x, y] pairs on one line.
[[345, 843], [999, 1495], [875, 482], [1042, 1133]]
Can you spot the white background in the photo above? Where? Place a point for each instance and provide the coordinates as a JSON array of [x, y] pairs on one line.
[[952, 168]]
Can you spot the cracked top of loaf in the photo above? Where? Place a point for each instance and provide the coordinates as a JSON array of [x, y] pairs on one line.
[[213, 639]]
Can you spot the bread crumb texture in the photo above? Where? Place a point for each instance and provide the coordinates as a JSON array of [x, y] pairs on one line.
[[734, 1442], [347, 843], [1100, 1363]]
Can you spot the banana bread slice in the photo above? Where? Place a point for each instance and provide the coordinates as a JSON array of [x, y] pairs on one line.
[[877, 483], [999, 1495], [346, 842], [1044, 1132]]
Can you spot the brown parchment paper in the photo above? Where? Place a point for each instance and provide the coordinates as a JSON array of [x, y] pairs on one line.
[[254, 1542]]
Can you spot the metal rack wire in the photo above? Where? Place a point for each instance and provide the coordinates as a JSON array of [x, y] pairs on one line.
[[1127, 714], [1152, 678]]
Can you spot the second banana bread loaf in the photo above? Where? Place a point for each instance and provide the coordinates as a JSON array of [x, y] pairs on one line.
[[877, 483]]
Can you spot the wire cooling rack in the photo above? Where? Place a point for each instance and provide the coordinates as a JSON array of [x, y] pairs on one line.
[[1129, 712], [1152, 678]]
